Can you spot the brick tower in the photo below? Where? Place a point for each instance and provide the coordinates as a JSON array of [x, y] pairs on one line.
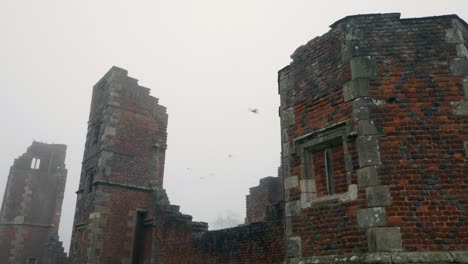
[[374, 118], [32, 205], [122, 164]]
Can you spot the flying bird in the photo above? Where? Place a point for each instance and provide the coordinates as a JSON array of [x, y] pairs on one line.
[[254, 110]]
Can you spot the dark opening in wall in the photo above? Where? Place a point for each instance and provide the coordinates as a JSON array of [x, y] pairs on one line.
[[90, 180], [139, 238], [96, 134]]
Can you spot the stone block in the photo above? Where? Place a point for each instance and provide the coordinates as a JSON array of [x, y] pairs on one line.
[[294, 249], [462, 51], [386, 239], [460, 256], [465, 144], [367, 176], [378, 258], [349, 259], [306, 199], [454, 35], [371, 217], [422, 257], [356, 88], [291, 182], [459, 66], [367, 127], [293, 208], [288, 226], [349, 49], [350, 195], [362, 67], [286, 150], [368, 151], [360, 113], [109, 131], [308, 186], [465, 87], [378, 196], [285, 84], [459, 108], [287, 117]]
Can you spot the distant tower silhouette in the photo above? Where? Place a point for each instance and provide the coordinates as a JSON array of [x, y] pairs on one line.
[[32, 205]]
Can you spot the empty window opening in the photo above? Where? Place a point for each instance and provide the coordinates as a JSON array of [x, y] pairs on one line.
[[96, 133], [139, 238], [90, 180], [35, 163], [329, 172]]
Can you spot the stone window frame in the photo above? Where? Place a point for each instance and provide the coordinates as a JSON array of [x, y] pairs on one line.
[[305, 146]]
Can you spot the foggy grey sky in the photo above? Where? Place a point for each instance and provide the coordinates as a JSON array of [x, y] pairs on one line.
[[207, 61]]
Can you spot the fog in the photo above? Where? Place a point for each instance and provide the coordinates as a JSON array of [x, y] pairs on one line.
[[208, 62]]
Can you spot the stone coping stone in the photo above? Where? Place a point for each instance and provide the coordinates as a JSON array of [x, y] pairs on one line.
[[426, 257]]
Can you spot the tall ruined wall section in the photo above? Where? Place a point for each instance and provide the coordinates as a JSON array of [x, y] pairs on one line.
[[374, 120], [123, 214], [32, 205], [262, 197], [123, 163]]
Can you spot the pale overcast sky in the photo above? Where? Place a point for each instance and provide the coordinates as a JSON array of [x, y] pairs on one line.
[[207, 61]]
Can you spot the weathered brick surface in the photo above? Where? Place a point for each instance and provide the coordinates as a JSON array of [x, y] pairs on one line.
[[122, 164], [32, 204], [122, 177], [394, 82], [261, 197]]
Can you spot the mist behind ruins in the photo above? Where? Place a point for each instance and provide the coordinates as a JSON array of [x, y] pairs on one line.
[[209, 62]]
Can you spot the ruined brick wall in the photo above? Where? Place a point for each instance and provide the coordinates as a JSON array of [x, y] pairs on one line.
[[123, 162], [260, 242], [261, 197], [32, 204], [374, 140]]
